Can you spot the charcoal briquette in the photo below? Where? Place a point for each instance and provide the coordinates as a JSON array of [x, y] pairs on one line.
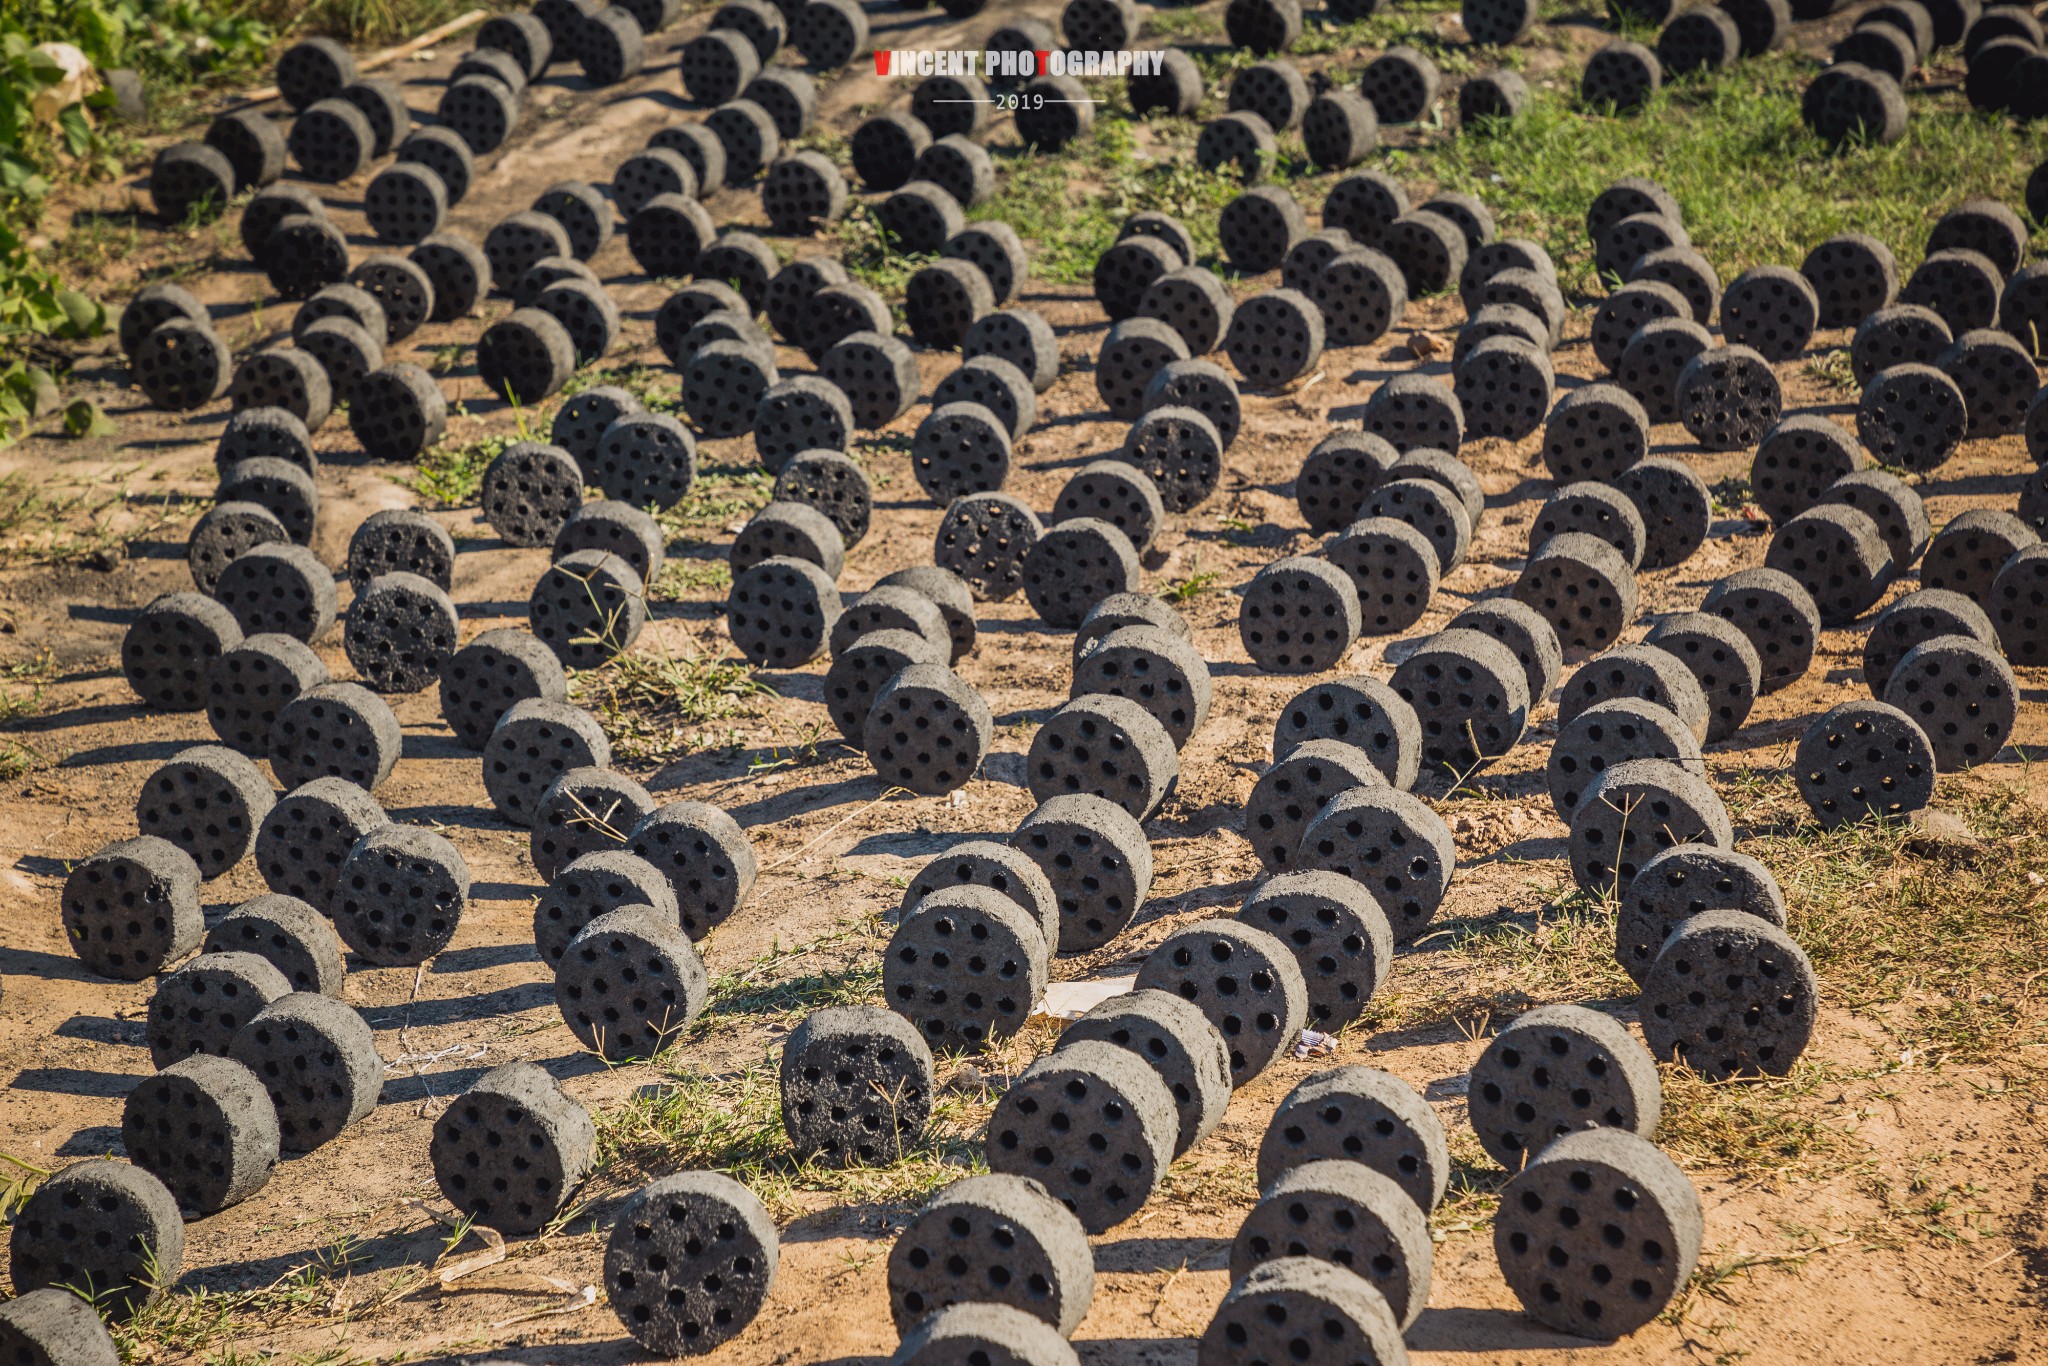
[[1598, 1234], [1962, 693], [1676, 507], [1243, 979], [344, 351], [1299, 615], [318, 1060], [580, 423], [481, 111], [190, 182], [1617, 248], [1177, 1041], [282, 378], [132, 908], [693, 1256], [1703, 38], [382, 105], [1593, 509], [985, 538], [1968, 553], [278, 588], [1778, 615], [1920, 616], [890, 609], [1017, 336], [1241, 142], [1441, 467], [1621, 77], [1340, 472], [886, 147], [1557, 1070], [1882, 47], [994, 385], [516, 242], [401, 540], [1837, 554], [1595, 432], [588, 607], [226, 531], [1628, 309], [1074, 564], [308, 833], [1175, 88], [331, 140], [667, 235], [400, 895], [100, 1227], [1119, 492], [789, 531], [1207, 389], [949, 104], [1961, 286], [965, 968], [1634, 810], [250, 682], [1499, 320], [208, 801], [1654, 359], [1995, 373], [401, 631], [497, 64], [645, 459], [1361, 293], [1094, 1123], [1686, 271], [856, 1085], [927, 731], [834, 485], [1275, 337], [1095, 855], [1361, 1115], [1177, 451], [1412, 410], [744, 263], [1103, 746], [1500, 94], [1899, 334], [944, 299], [1722, 659], [508, 1152], [205, 1128], [1853, 276], [279, 488], [1126, 272], [707, 857], [1363, 203], [611, 45], [285, 932], [1390, 844], [597, 883], [1583, 587], [1344, 1216], [458, 270], [1393, 566], [1610, 732], [535, 742], [181, 365], [1339, 129], [398, 412], [717, 64], [993, 247], [1796, 462], [155, 305], [1771, 309], [198, 1009], [1160, 671], [1897, 510], [629, 983], [1428, 248], [876, 371], [586, 312], [1401, 84], [1680, 883], [1340, 937], [1259, 227], [951, 595]]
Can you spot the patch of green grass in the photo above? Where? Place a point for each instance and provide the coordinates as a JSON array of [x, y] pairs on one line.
[[681, 578], [1941, 941], [872, 256], [649, 702], [1183, 26], [1072, 203], [655, 386], [1198, 582], [720, 495], [450, 474], [1756, 1127], [733, 1123], [1755, 186]]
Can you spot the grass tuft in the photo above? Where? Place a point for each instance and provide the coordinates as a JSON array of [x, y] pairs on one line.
[[451, 474], [652, 705]]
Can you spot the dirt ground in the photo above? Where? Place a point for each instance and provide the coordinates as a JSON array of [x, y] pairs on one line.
[[1837, 1261]]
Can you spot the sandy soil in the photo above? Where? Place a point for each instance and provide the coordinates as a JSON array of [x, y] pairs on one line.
[[1817, 1263]]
